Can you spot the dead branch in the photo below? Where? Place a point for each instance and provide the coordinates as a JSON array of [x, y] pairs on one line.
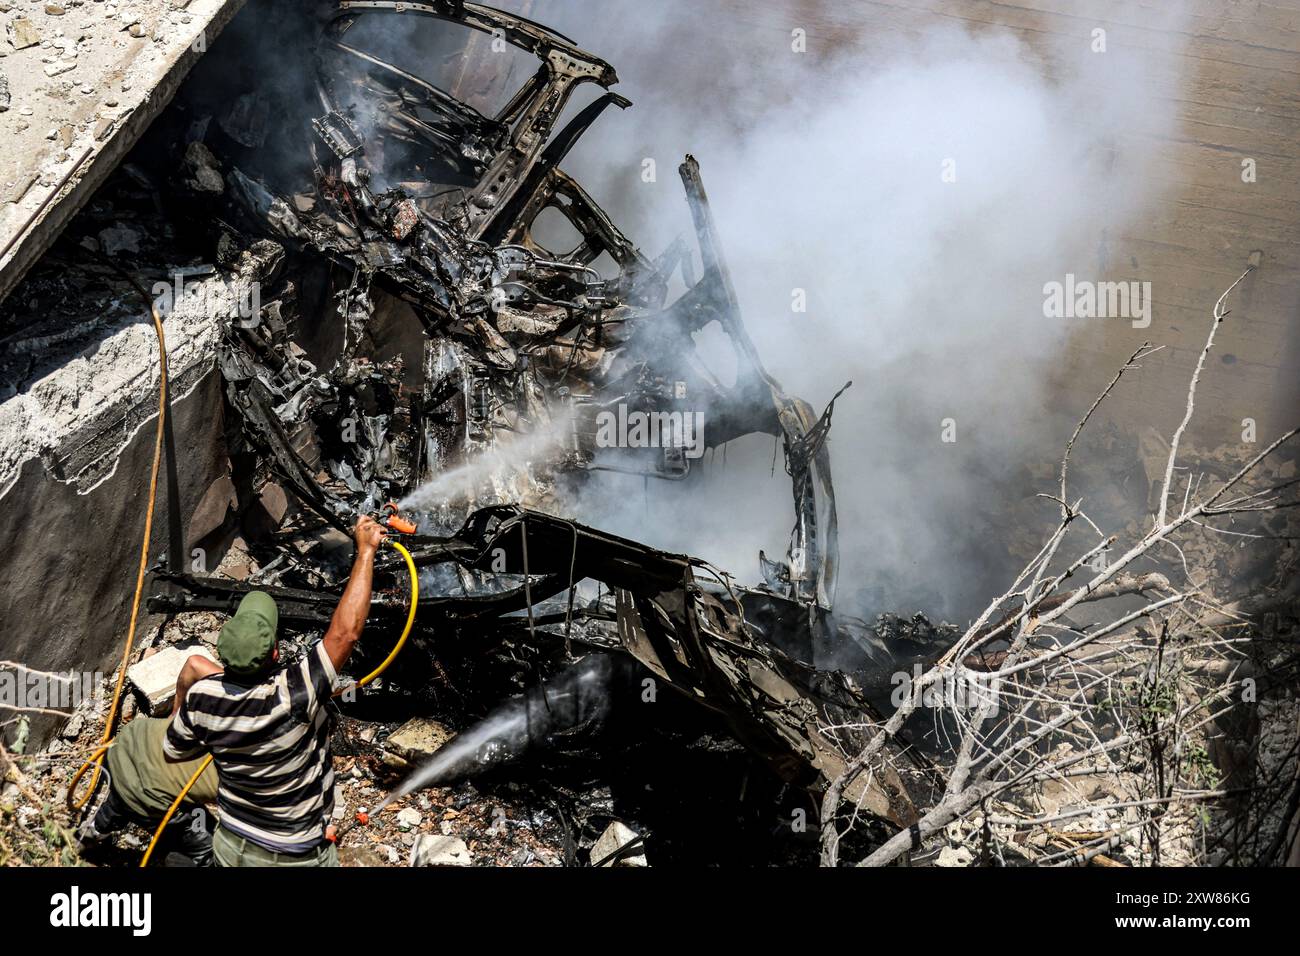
[[1099, 689]]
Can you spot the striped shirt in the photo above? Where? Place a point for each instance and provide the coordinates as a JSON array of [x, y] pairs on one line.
[[270, 742]]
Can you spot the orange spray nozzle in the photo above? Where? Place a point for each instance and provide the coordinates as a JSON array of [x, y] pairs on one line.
[[394, 520]]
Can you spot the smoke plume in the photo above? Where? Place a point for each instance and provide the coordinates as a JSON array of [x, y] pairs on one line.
[[915, 183]]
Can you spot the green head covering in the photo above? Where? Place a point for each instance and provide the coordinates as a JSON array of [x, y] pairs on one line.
[[248, 638]]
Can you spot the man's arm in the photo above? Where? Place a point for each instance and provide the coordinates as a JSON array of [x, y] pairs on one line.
[[196, 668], [350, 616]]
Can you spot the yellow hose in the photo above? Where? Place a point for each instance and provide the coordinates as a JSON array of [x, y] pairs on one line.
[[144, 861], [410, 616], [98, 759], [392, 655]]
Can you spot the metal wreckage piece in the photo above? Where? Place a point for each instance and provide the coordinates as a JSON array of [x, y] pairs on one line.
[[420, 195]]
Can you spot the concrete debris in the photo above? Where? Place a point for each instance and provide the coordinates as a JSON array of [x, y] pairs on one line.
[[154, 678], [432, 850], [954, 857], [361, 855], [67, 66], [72, 729], [4, 93], [414, 742], [59, 67], [202, 172], [118, 239], [619, 845], [22, 33], [409, 817]]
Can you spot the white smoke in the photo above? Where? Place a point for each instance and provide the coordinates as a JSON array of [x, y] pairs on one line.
[[920, 183]]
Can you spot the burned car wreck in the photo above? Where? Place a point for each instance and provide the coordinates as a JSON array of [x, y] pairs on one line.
[[420, 214]]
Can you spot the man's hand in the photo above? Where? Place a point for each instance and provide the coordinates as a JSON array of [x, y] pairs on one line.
[[367, 534]]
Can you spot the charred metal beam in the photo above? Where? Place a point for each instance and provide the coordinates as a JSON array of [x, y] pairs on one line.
[[814, 546]]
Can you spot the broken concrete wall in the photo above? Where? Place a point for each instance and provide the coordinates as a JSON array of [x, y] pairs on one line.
[[69, 556], [79, 363], [77, 428]]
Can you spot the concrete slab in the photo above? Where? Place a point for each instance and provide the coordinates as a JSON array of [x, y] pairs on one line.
[[616, 836], [84, 81], [432, 850], [81, 398], [154, 678], [415, 741]]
